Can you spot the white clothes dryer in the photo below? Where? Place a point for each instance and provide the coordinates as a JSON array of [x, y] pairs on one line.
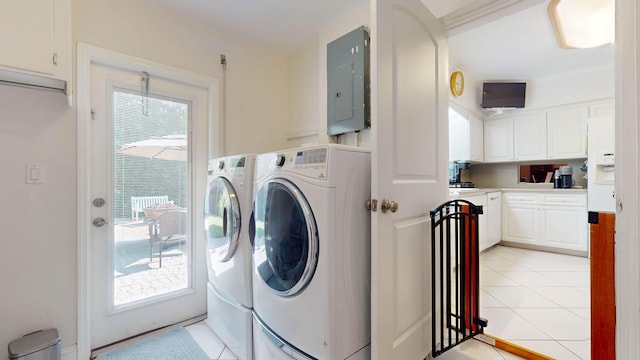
[[227, 211], [311, 254]]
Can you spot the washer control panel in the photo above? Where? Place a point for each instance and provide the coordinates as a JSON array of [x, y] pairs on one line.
[[308, 162]]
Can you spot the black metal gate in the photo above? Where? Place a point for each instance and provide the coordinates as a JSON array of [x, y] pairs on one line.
[[455, 275]]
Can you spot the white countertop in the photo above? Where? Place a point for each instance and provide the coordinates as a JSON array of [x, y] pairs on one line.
[[549, 190], [455, 193]]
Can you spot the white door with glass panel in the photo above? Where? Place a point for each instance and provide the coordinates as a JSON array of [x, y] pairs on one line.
[[148, 175]]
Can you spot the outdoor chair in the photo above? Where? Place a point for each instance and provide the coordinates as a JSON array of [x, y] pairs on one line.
[[168, 227]]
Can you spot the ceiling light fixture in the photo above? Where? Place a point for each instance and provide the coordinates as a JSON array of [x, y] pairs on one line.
[[583, 23]]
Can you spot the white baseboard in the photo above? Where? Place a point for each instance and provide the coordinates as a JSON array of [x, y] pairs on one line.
[[69, 353]]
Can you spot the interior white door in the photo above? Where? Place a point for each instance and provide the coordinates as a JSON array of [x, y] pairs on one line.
[[136, 284], [409, 165]]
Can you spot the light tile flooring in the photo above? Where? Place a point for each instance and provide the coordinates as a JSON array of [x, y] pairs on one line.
[[538, 300], [470, 350], [534, 299], [209, 342]]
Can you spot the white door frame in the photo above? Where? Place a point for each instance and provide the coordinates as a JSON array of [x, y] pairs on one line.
[[627, 272], [87, 55]]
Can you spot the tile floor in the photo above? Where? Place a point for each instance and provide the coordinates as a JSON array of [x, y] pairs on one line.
[[209, 342], [534, 299], [469, 350], [538, 300]]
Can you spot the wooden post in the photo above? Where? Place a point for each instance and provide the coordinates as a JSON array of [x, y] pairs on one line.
[[603, 310], [470, 263]]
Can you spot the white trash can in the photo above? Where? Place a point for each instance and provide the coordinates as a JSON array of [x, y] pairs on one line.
[[40, 345]]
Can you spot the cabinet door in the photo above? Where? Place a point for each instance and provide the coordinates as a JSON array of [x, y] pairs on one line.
[[605, 108], [30, 45], [565, 227], [567, 133], [458, 136], [520, 217], [498, 140], [530, 136], [476, 139], [520, 223], [494, 218]]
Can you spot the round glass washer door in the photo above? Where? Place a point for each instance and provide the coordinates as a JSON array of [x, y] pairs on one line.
[[221, 220], [285, 245]]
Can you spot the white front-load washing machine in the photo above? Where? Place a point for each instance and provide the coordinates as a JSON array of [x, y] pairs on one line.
[[228, 206], [311, 254]]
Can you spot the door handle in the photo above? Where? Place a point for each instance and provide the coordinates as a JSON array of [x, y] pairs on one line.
[[388, 205], [99, 222]]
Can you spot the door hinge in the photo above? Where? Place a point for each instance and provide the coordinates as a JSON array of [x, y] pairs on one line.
[[93, 115], [55, 59]]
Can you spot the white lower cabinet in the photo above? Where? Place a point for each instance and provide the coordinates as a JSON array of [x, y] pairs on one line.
[[494, 219], [551, 220], [520, 218]]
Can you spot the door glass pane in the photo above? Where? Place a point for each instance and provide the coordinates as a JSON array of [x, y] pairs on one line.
[[150, 195], [281, 246], [221, 220]]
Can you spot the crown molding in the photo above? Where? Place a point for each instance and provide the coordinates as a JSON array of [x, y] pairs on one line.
[[482, 12]]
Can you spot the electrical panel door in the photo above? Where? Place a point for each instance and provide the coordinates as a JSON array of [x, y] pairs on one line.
[[348, 83]]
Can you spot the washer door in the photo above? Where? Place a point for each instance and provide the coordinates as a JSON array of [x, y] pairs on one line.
[[221, 220], [285, 246]]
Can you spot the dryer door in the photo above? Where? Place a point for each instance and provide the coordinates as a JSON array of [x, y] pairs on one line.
[[285, 247], [221, 220]]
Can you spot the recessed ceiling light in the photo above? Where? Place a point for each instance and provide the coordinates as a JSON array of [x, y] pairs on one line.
[[583, 23]]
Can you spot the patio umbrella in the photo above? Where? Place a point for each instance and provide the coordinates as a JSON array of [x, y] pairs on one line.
[[168, 147]]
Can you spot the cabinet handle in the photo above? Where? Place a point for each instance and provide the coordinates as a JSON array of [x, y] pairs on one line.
[[494, 198]]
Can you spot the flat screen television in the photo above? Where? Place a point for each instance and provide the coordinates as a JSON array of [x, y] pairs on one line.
[[503, 95]]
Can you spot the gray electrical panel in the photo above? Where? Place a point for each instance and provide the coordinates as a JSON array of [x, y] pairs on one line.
[[348, 83]]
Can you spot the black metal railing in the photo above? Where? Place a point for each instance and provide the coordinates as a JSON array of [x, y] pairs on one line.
[[455, 275]]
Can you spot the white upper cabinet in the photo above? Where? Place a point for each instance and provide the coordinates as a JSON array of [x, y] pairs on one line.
[[465, 136], [36, 37], [530, 136], [476, 137], [560, 133], [458, 136], [604, 108], [567, 133], [498, 140]]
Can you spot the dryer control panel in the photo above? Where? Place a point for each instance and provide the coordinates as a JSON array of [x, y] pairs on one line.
[[233, 166]]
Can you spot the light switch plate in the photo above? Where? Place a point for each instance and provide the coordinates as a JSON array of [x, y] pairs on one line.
[[34, 174]]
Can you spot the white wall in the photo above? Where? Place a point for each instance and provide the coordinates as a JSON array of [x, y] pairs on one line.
[[303, 90], [562, 89], [38, 269], [506, 175], [579, 86], [472, 94], [310, 115], [257, 90]]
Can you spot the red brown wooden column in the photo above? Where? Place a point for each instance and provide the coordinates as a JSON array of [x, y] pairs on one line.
[[471, 258], [603, 302]]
